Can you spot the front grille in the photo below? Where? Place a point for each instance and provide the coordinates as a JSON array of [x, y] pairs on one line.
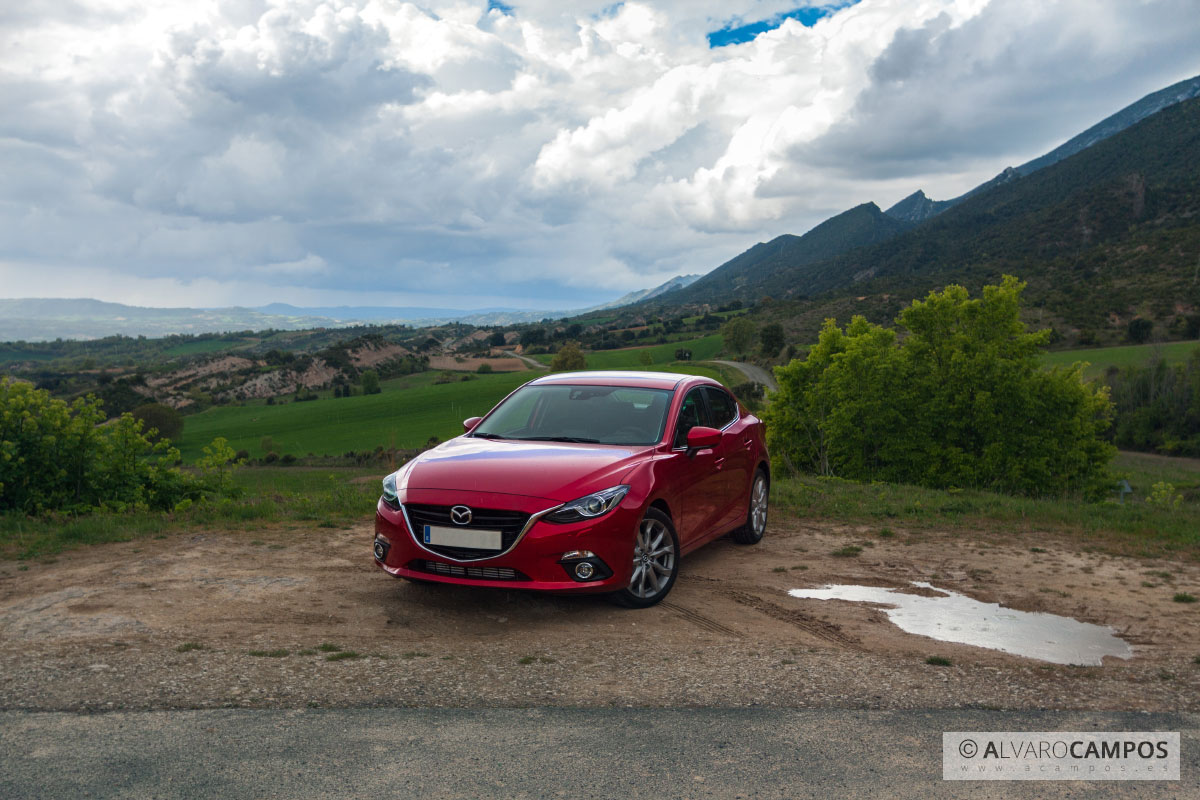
[[509, 523], [459, 571]]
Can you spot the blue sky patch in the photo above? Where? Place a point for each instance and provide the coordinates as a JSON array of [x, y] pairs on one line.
[[744, 33], [503, 8]]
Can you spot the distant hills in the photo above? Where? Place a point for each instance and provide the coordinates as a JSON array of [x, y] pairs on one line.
[[45, 319]]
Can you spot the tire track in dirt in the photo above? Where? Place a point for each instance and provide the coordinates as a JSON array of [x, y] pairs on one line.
[[700, 620], [826, 631]]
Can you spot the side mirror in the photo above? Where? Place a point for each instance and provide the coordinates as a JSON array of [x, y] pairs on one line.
[[469, 424], [700, 437]]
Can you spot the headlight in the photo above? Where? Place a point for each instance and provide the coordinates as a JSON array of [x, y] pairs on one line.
[[390, 495], [594, 505]]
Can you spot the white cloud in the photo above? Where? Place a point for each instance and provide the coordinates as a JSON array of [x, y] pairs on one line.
[[561, 154]]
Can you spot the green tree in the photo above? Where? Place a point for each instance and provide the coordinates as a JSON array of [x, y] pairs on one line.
[[645, 358], [772, 339], [961, 401], [1139, 330], [737, 334], [496, 339], [485, 368], [370, 382], [569, 358], [160, 421]]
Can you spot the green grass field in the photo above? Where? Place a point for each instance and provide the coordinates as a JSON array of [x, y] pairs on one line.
[[396, 418], [1101, 358], [411, 409], [204, 346]]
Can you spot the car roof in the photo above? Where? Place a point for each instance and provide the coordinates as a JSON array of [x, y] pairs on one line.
[[641, 380]]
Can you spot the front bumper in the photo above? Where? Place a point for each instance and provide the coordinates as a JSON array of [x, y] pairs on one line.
[[535, 558]]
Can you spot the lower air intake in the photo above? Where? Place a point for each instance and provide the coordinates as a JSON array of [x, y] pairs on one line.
[[478, 573]]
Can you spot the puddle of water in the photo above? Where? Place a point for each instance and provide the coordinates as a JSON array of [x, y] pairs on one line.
[[954, 617]]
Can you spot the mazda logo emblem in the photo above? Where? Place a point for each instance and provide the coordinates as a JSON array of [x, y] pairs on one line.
[[460, 515]]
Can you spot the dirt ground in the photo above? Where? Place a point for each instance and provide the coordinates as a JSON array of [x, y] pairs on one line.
[[171, 623]]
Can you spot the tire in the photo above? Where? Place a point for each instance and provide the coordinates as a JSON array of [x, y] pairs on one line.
[[654, 569], [756, 515]]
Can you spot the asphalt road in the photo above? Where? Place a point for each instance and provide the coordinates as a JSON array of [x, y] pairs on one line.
[[536, 753]]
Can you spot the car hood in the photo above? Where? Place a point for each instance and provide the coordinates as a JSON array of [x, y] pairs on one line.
[[552, 470]]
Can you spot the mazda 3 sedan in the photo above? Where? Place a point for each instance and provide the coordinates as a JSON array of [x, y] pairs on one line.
[[580, 482]]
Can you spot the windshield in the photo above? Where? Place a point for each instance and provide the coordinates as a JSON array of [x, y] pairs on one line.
[[599, 414]]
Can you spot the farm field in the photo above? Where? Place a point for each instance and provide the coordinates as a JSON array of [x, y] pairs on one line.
[[395, 418], [410, 409], [1101, 358]]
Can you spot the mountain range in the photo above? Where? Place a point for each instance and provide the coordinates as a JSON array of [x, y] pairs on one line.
[[1113, 212]]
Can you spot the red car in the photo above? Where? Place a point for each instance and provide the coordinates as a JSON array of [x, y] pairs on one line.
[[580, 482]]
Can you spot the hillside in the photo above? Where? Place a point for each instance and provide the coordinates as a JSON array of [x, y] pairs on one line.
[[1107, 234], [917, 207], [744, 276]]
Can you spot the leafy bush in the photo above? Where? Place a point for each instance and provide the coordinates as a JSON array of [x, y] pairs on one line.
[[959, 402], [568, 359], [55, 457]]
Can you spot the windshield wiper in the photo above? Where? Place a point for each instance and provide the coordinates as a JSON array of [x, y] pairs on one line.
[[579, 439], [486, 435]]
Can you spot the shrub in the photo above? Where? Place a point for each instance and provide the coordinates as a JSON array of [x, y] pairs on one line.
[[55, 457], [370, 382], [569, 358], [484, 369], [961, 401]]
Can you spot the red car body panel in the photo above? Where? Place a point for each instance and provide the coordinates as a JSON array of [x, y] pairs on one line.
[[706, 493]]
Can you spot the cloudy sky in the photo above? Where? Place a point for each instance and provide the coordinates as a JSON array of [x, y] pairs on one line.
[[542, 154]]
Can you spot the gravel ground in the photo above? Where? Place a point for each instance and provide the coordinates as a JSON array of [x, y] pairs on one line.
[[204, 620]]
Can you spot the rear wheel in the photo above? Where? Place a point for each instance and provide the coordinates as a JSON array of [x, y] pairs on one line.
[[655, 562], [756, 516]]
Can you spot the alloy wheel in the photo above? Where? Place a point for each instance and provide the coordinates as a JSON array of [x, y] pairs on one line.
[[653, 559]]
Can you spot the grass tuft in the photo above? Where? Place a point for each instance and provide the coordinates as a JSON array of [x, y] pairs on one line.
[[188, 647], [849, 551], [1184, 597], [327, 647], [278, 653], [938, 661], [343, 655]]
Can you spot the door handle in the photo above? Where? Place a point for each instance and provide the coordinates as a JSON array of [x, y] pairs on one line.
[[720, 462]]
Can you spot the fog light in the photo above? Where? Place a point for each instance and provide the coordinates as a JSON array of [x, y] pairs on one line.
[[575, 555], [584, 570], [381, 549]]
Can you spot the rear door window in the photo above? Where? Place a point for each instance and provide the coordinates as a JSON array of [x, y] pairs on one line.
[[722, 406]]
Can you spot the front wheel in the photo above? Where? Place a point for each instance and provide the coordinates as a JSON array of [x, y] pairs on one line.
[[655, 562], [756, 516]]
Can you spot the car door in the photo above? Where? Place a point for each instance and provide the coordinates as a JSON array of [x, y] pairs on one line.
[[696, 476], [732, 461]]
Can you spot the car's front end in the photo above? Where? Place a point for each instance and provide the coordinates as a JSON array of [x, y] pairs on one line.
[[507, 540]]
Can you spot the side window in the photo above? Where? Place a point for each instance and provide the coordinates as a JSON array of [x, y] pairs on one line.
[[722, 406], [691, 414]]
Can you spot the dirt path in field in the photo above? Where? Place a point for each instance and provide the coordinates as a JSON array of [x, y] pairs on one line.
[[754, 373], [172, 623]]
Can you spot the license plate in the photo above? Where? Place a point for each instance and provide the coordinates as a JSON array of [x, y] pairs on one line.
[[463, 537]]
